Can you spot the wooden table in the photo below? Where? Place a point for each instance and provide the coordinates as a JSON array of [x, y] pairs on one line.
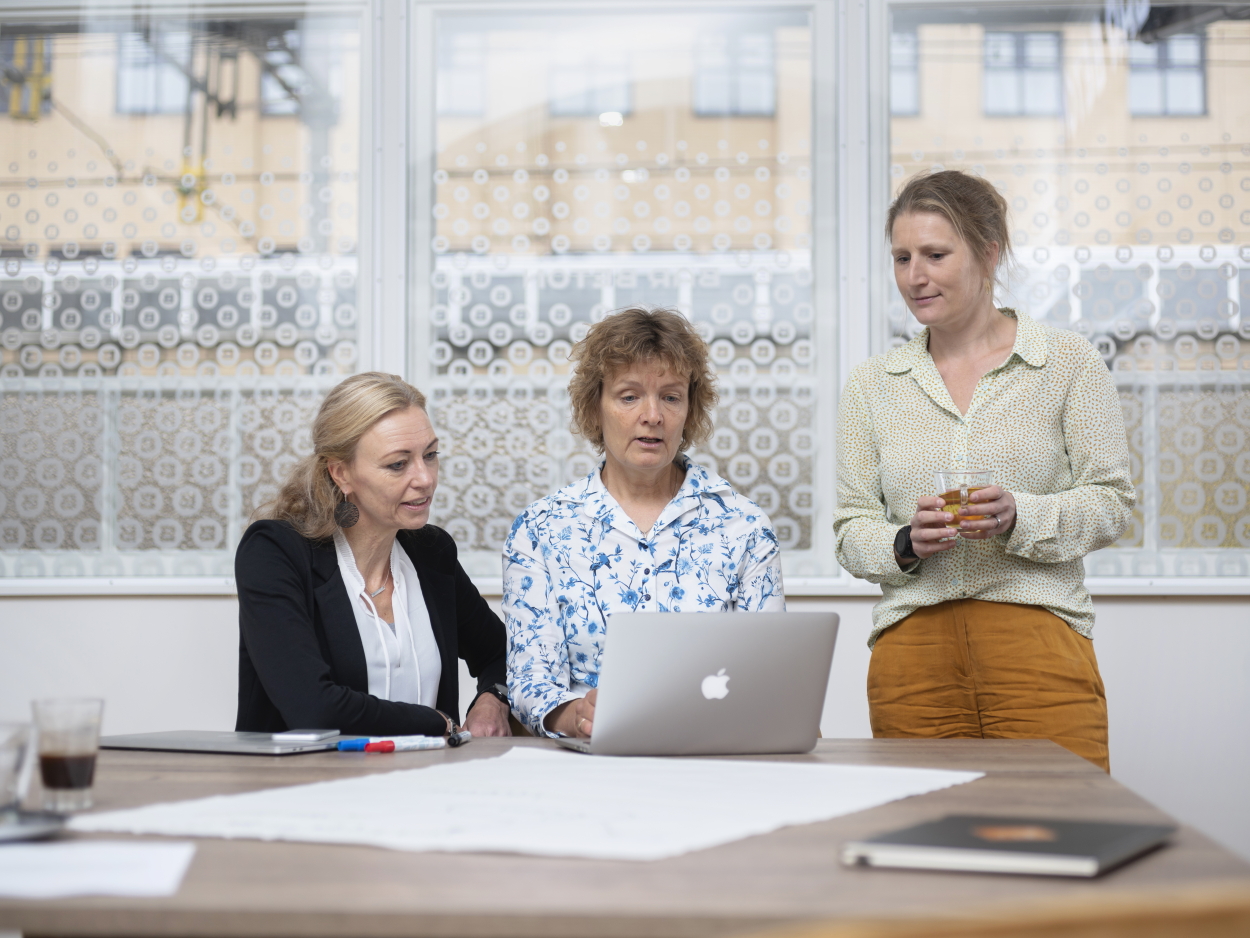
[[249, 888]]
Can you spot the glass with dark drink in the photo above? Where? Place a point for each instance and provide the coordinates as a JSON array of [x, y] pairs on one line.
[[955, 485], [69, 737]]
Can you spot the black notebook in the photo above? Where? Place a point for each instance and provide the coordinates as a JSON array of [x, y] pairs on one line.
[[1009, 845]]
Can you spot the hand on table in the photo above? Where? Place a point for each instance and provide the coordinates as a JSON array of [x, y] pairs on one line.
[[574, 718], [488, 717]]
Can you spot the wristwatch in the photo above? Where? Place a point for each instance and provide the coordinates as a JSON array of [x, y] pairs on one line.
[[498, 691], [902, 544]]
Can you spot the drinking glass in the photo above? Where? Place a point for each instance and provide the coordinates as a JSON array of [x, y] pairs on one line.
[[955, 485], [69, 736], [15, 764]]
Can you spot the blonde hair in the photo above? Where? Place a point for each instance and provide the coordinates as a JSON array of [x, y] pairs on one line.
[[974, 208], [635, 335], [309, 495]]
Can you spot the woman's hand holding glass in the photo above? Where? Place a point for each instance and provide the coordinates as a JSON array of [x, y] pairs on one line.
[[935, 529], [997, 509], [575, 718]]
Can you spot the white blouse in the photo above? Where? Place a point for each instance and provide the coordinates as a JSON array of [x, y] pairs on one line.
[[403, 660]]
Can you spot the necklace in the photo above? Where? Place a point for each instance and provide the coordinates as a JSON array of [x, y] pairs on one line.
[[382, 587]]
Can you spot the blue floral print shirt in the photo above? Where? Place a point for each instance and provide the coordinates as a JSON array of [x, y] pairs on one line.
[[574, 559]]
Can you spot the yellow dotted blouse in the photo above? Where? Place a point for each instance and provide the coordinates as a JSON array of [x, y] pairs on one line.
[[1047, 422]]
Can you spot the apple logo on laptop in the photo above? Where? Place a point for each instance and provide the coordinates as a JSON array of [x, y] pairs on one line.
[[716, 686]]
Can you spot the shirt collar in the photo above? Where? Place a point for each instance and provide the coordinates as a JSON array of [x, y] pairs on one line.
[[1029, 347], [597, 501]]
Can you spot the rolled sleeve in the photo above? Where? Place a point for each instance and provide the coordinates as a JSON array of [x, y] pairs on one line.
[[538, 663], [1090, 515], [864, 533], [761, 588]]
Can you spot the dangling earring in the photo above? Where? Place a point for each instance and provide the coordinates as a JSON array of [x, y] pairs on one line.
[[989, 286], [346, 514]]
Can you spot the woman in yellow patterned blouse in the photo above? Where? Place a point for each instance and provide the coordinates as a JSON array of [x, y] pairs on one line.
[[983, 630]]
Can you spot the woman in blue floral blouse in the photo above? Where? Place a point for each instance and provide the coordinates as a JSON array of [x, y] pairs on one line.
[[648, 531]]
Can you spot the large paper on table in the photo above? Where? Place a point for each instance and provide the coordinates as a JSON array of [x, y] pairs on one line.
[[545, 803]]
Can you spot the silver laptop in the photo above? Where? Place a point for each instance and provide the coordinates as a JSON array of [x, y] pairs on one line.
[[711, 683], [247, 744]]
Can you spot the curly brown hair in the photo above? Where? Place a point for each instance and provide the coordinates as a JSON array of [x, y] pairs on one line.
[[975, 209], [309, 496], [634, 335]]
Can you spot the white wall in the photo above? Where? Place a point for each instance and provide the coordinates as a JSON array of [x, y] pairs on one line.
[[1177, 673]]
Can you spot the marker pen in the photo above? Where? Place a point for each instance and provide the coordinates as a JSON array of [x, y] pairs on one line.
[[392, 744], [406, 744]]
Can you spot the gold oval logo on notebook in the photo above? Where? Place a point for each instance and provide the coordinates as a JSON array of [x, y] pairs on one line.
[[1014, 833]]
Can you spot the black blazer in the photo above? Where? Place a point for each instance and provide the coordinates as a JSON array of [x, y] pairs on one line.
[[301, 661]]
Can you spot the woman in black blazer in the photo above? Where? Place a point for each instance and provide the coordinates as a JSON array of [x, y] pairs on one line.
[[352, 609]]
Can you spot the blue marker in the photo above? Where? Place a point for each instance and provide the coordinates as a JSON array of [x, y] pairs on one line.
[[353, 745]]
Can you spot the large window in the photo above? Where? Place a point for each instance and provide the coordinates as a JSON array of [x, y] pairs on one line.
[[178, 285], [1134, 235], [543, 226], [193, 247]]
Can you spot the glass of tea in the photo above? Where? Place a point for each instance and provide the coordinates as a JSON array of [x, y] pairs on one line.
[[69, 737], [955, 485]]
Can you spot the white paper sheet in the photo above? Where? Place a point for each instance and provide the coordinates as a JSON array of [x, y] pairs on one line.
[[92, 868], [543, 802]]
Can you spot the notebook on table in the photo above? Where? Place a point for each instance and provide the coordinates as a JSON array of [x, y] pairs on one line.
[[977, 844]]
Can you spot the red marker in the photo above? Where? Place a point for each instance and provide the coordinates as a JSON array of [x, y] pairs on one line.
[[385, 746]]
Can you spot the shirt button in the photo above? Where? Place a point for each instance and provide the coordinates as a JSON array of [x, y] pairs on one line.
[[646, 571]]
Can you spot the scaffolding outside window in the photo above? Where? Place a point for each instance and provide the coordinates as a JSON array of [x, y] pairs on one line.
[[26, 76]]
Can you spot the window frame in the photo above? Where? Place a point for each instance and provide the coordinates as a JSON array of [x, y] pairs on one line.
[[850, 117]]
